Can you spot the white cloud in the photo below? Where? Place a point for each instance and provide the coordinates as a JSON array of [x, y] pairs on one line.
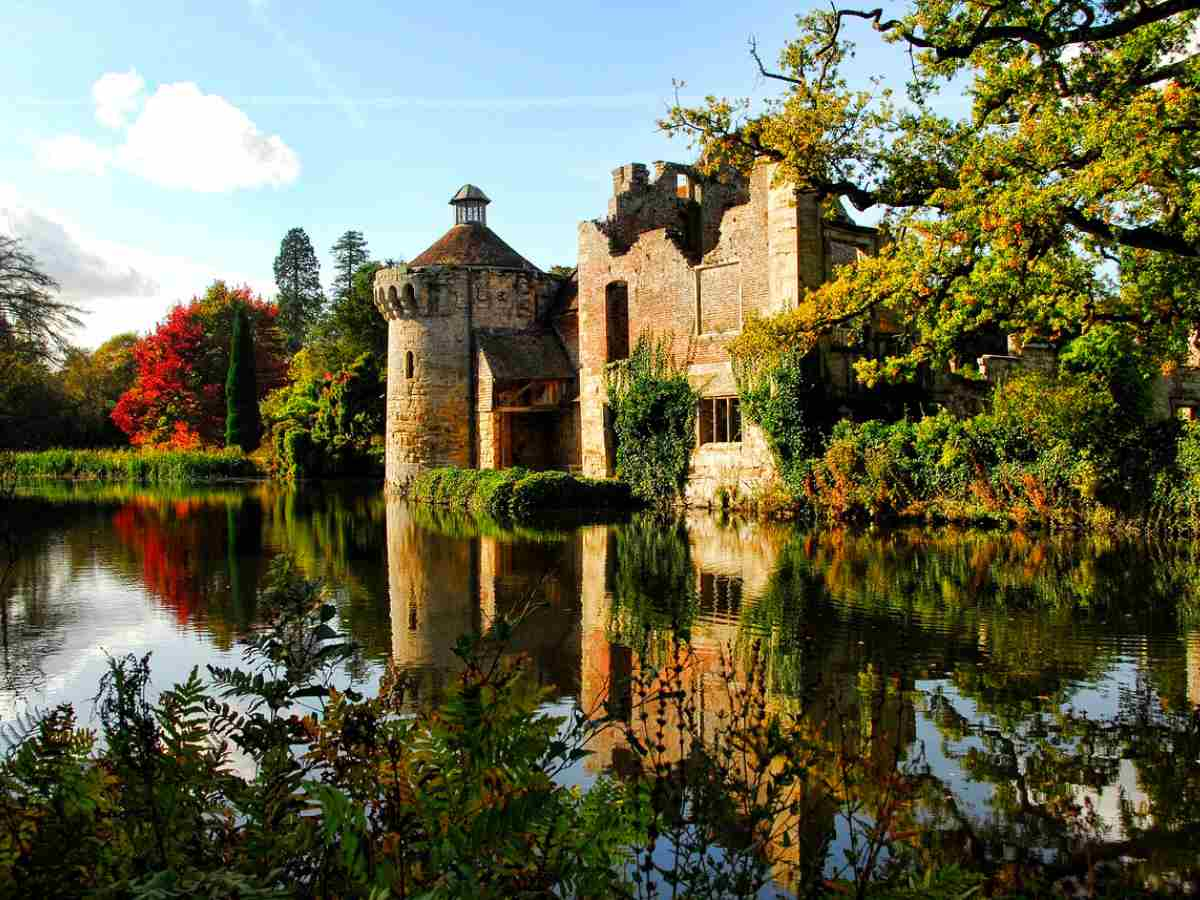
[[182, 138], [121, 287], [71, 153], [201, 142], [117, 95]]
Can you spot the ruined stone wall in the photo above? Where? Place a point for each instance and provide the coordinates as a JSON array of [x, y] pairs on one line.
[[702, 298]]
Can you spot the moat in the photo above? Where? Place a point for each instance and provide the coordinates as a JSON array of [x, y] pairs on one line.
[[1020, 670]]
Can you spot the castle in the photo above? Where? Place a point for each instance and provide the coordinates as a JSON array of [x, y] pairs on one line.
[[494, 363]]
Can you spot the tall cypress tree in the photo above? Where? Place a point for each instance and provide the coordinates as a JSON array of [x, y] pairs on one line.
[[298, 277], [242, 423]]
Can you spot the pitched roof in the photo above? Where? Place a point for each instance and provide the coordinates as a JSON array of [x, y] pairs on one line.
[[472, 244], [537, 354]]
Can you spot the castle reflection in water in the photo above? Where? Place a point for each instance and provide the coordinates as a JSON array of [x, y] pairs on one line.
[[1017, 668]]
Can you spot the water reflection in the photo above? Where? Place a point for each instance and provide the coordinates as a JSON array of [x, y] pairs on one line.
[[1015, 677]]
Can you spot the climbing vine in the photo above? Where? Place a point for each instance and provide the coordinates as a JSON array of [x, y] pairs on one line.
[[788, 401], [654, 418]]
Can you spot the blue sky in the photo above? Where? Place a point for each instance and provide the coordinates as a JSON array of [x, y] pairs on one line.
[[152, 148]]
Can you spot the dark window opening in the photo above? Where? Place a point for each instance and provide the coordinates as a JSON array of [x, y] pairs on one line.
[[616, 309], [408, 364], [412, 616], [393, 297], [410, 297], [720, 420]]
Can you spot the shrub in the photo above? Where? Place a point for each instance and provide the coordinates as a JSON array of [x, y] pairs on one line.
[[517, 494], [337, 423]]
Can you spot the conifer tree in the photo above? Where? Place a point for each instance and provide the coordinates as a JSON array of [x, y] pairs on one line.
[[349, 254], [241, 393], [298, 277]]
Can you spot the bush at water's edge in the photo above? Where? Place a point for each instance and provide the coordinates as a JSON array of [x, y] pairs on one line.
[[146, 466], [518, 494]]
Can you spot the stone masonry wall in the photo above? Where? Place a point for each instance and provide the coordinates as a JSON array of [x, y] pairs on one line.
[[428, 419], [761, 247]]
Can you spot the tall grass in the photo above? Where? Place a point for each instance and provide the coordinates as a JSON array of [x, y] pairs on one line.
[[142, 466]]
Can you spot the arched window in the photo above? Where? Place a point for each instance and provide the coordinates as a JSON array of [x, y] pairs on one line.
[[408, 364], [410, 297], [392, 297]]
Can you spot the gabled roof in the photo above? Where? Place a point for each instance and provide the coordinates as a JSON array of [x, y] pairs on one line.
[[472, 244], [529, 354]]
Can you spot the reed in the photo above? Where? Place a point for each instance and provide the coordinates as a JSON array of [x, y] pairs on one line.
[[142, 466]]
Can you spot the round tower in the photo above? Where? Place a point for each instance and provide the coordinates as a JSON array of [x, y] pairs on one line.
[[468, 282], [429, 371]]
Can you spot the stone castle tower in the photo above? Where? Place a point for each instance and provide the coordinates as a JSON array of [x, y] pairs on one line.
[[467, 284]]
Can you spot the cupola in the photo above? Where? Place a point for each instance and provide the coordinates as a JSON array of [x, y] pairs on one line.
[[470, 206]]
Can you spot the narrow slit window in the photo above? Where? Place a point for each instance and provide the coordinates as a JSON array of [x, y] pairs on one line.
[[408, 364]]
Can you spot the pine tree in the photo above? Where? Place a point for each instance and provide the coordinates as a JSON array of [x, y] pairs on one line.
[[241, 394], [349, 254], [298, 277]]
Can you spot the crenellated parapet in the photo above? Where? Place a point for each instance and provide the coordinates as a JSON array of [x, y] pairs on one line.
[[403, 292]]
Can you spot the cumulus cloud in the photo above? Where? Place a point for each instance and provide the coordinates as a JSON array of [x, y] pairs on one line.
[[181, 138], [187, 139], [117, 96], [120, 287]]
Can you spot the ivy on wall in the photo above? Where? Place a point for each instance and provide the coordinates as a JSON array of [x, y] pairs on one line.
[[787, 399], [654, 419]]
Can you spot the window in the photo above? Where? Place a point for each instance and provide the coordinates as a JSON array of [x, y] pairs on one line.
[[410, 297], [720, 420], [393, 298], [616, 314], [408, 364]]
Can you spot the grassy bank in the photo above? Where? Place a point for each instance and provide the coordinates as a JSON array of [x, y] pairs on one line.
[[142, 466], [518, 495]]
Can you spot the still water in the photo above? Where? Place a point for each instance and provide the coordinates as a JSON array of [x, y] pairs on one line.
[[1020, 671]]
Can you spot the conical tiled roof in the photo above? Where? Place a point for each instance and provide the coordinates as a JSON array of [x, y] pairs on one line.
[[472, 244]]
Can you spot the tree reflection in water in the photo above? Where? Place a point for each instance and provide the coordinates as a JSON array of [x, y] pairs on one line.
[[1027, 696]]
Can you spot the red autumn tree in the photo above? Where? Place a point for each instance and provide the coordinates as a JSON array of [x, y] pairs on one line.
[[178, 398]]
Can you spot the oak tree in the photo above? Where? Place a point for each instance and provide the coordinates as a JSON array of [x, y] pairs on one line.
[[1065, 201]]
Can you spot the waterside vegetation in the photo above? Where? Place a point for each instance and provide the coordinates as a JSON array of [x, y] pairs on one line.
[[518, 495], [138, 465]]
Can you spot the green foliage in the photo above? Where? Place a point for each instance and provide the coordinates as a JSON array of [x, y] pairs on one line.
[[351, 326], [143, 466], [519, 495], [1057, 451], [1063, 197], [330, 425], [242, 424], [346, 798], [791, 408], [70, 405], [654, 418], [1115, 356], [298, 277]]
